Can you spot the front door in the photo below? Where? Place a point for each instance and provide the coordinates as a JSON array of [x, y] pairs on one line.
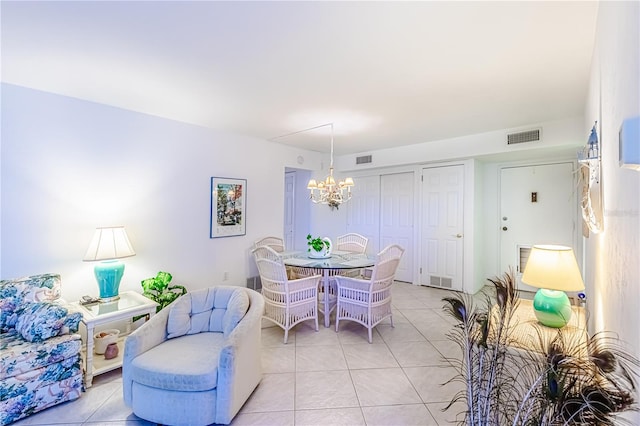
[[537, 206]]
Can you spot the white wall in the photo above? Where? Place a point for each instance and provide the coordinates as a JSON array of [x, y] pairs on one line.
[[613, 256], [69, 166]]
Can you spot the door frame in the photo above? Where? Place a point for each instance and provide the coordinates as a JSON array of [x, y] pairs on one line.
[[290, 244]]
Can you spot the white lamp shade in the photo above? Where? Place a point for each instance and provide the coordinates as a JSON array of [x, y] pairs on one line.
[[109, 243], [553, 267]]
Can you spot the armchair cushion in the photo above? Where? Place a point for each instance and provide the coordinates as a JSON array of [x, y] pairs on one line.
[[192, 369], [39, 321], [215, 310]]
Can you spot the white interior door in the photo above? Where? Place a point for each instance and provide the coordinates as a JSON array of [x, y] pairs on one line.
[[289, 210], [396, 219], [363, 211], [537, 206], [442, 227]]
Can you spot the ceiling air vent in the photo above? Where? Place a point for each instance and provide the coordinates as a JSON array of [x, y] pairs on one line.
[[524, 137], [365, 159]]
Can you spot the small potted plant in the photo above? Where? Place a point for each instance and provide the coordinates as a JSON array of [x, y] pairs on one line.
[[319, 247], [159, 290]]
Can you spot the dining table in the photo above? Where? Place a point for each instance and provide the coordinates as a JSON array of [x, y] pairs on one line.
[[337, 263]]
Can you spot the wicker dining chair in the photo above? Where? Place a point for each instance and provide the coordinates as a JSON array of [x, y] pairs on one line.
[[368, 301], [276, 243], [352, 242], [287, 302]]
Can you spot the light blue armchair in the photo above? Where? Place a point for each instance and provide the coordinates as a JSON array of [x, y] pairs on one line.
[[197, 361]]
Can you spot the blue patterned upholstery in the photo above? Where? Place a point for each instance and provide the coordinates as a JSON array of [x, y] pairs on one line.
[[43, 369]]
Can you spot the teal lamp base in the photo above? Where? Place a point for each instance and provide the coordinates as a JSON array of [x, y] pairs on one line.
[[108, 274], [552, 308]]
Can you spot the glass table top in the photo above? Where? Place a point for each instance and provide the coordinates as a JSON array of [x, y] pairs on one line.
[[338, 260], [127, 300]]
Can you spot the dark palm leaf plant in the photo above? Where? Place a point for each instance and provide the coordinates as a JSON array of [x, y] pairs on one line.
[[559, 380]]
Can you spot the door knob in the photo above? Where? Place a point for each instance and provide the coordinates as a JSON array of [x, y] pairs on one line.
[[458, 235], [504, 228]]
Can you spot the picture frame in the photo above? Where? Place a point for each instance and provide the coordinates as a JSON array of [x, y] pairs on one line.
[[228, 207]]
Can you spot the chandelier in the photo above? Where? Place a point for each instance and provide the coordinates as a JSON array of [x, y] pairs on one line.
[[327, 191]]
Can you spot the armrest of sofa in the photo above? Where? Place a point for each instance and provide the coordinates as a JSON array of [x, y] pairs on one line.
[[239, 365], [148, 336]]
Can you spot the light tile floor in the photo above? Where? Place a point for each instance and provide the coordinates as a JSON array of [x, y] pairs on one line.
[[324, 377]]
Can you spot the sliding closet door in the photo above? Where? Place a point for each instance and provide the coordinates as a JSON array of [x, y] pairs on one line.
[[396, 218], [382, 210], [363, 210]]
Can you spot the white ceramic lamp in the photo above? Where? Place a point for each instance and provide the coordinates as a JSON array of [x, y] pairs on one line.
[[554, 270]]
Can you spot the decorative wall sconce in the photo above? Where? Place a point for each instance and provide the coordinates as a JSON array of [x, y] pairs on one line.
[[590, 176]]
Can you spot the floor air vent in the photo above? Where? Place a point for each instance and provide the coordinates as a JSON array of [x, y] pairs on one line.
[[436, 281], [365, 159], [524, 137]]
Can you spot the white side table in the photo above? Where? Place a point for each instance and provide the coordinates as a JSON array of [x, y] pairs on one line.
[[526, 332], [129, 305]]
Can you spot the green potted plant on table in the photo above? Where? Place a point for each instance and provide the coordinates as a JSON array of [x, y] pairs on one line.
[[319, 247], [158, 289]]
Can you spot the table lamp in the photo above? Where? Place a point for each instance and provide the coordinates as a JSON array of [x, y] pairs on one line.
[[554, 270], [107, 246]]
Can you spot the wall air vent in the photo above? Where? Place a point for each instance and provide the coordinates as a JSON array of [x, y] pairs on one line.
[[365, 159], [524, 137], [523, 257]]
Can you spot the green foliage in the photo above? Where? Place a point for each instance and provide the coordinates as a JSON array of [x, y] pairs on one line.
[[316, 243], [565, 379], [159, 290]]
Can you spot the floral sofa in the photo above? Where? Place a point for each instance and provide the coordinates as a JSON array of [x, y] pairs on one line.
[[39, 354]]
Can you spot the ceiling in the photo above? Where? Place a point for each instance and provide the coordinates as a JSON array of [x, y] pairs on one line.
[[385, 73]]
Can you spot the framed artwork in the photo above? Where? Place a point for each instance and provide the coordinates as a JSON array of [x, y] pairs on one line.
[[228, 207]]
